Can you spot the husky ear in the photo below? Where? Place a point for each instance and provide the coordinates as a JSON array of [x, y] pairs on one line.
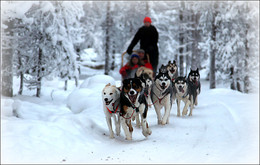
[[197, 70], [169, 62], [185, 77], [174, 61], [190, 69], [108, 84]]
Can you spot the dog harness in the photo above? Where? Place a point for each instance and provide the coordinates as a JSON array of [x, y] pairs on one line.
[[164, 94], [115, 104]]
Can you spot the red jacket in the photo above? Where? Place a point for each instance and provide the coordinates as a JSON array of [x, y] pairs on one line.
[[123, 70]]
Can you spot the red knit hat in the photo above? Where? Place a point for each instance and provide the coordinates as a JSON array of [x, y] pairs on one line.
[[147, 19]]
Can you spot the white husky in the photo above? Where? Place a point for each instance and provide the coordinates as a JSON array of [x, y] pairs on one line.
[[111, 101]]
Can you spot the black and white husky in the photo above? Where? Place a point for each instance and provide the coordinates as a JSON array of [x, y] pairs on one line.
[[147, 87], [172, 70], [184, 94], [173, 73], [111, 106], [132, 101], [194, 84], [161, 95]]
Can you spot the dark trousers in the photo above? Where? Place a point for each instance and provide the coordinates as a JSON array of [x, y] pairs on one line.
[[154, 56]]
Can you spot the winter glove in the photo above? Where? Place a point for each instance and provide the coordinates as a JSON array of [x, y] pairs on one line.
[[129, 51]]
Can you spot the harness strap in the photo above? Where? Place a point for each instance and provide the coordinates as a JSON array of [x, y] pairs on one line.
[[159, 99], [112, 111]]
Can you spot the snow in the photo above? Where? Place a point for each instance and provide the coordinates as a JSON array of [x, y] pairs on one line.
[[84, 97], [223, 129], [90, 58]]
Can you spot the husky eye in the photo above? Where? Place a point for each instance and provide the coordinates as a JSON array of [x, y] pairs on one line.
[[104, 93], [110, 93]]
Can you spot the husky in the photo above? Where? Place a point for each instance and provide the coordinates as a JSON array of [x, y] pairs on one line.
[[183, 94], [132, 101], [194, 83], [161, 95], [147, 86], [172, 70], [173, 73], [111, 107], [147, 83], [163, 69]]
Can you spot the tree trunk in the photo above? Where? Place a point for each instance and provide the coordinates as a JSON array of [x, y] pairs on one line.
[[7, 61], [147, 8], [21, 74], [39, 78], [181, 41], [107, 39], [195, 59], [65, 85], [113, 57], [76, 81], [232, 85], [246, 78], [212, 77]]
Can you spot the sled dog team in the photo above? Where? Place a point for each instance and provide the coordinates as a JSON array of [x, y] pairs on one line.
[[131, 101]]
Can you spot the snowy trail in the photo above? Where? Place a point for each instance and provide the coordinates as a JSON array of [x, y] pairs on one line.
[[223, 129]]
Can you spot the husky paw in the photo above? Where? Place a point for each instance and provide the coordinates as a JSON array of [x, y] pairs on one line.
[[178, 115], [128, 138], [190, 114], [118, 133], [184, 113], [164, 122], [159, 122], [112, 136], [147, 132]]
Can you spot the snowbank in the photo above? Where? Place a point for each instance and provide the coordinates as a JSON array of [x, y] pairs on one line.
[[89, 93]]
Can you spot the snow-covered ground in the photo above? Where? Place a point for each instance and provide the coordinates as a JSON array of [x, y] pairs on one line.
[[224, 128]]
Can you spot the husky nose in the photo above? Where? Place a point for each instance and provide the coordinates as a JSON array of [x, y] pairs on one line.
[[106, 99], [132, 92], [163, 84]]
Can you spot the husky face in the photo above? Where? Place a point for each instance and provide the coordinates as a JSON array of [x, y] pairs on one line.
[[194, 75], [181, 84], [132, 87], [163, 69], [163, 80], [148, 80], [110, 94], [172, 68]]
